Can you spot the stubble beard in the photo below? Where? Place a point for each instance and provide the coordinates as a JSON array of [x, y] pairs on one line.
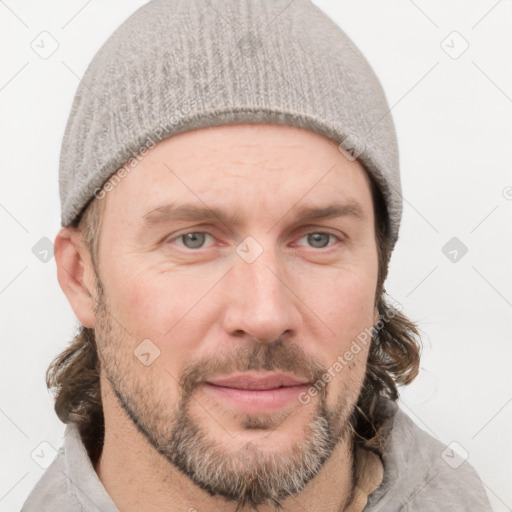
[[248, 476]]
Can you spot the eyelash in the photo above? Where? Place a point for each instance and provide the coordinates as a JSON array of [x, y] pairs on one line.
[[338, 239]]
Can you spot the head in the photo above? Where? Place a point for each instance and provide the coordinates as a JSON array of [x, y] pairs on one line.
[[183, 291], [245, 280]]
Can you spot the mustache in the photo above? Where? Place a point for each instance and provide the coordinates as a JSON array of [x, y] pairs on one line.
[[275, 356]]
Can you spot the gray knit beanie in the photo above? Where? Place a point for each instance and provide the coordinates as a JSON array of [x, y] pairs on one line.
[[178, 65]]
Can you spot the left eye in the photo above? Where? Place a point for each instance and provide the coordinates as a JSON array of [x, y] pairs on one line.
[[193, 240], [318, 239], [196, 239]]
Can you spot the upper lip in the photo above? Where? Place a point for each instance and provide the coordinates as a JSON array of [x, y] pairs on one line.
[[248, 381]]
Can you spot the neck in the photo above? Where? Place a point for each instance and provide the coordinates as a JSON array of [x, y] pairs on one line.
[[137, 477]]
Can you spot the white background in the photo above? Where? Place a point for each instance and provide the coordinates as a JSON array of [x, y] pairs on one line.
[[454, 124]]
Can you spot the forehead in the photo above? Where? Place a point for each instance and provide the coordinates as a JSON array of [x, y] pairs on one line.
[[251, 167]]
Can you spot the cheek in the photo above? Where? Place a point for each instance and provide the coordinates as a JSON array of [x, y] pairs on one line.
[[145, 300], [345, 303], [163, 308], [347, 372]]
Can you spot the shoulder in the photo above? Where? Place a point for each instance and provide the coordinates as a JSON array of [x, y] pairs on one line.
[[51, 491], [423, 474]]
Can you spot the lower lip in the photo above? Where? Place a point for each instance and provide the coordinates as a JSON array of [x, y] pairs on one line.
[[256, 400]]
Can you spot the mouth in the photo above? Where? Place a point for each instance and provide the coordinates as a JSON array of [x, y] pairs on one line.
[[257, 382], [257, 393]]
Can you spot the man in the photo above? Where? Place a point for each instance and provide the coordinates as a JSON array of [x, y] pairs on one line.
[[230, 200]]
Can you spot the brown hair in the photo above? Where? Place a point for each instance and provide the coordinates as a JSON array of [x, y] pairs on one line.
[[393, 358], [394, 355]]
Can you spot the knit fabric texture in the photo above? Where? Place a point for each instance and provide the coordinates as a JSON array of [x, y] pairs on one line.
[[179, 65]]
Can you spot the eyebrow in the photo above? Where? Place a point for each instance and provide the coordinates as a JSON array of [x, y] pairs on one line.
[[188, 212]]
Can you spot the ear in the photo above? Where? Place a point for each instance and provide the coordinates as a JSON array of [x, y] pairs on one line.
[[75, 274]]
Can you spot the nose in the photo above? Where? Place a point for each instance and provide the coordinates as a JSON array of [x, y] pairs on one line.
[[261, 303]]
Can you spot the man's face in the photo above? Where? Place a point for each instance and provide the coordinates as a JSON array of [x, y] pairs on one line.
[[257, 293]]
